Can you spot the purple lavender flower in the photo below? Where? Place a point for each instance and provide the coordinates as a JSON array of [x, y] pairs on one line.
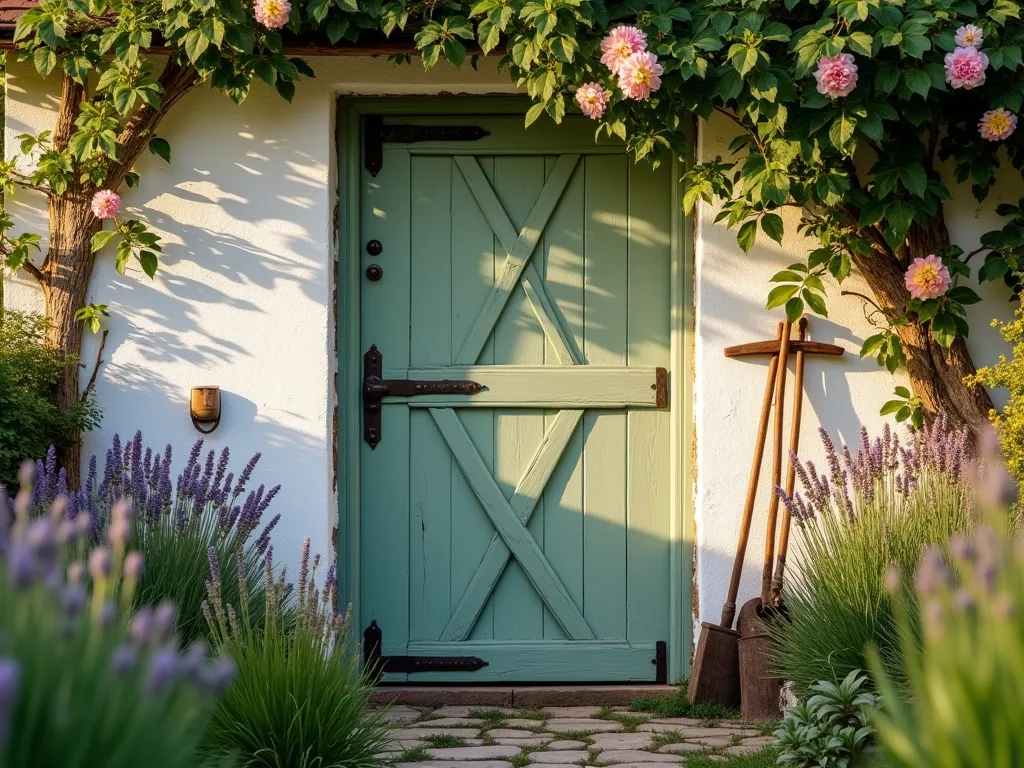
[[163, 619], [140, 627], [163, 669], [72, 599], [21, 565], [99, 563], [133, 565], [246, 474], [932, 574], [10, 679], [217, 677], [193, 660], [123, 660], [263, 542], [214, 564]]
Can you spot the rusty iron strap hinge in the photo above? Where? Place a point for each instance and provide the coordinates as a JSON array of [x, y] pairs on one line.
[[376, 134], [376, 388]]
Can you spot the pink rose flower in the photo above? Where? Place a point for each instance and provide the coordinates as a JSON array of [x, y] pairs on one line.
[[965, 67], [640, 75], [593, 99], [969, 35], [273, 14], [836, 75], [997, 124], [620, 44], [106, 203], [928, 278]]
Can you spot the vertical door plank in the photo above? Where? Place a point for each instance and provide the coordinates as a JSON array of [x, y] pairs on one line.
[[384, 472], [650, 227], [430, 464], [384, 531], [385, 216], [604, 434], [473, 264], [562, 273], [518, 340]]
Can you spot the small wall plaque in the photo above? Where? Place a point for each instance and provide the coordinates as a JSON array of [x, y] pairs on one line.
[[204, 408]]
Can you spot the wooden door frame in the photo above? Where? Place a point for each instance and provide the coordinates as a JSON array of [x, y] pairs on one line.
[[348, 376]]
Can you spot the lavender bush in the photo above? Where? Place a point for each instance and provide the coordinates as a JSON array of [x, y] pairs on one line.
[[883, 504], [299, 700], [81, 684], [175, 522], [962, 705]]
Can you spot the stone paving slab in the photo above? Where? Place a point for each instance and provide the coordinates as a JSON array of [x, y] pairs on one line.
[[714, 741], [513, 733], [462, 764], [530, 741], [401, 715], [518, 722], [676, 761], [566, 744], [682, 748], [622, 740], [473, 753], [573, 712], [619, 756], [565, 756], [420, 732], [453, 722], [600, 726]]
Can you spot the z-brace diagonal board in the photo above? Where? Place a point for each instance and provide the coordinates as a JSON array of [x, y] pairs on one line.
[[519, 248], [509, 524]]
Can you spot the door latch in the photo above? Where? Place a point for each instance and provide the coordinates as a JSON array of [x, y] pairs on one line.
[[376, 388]]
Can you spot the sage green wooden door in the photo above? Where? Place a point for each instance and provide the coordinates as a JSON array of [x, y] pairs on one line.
[[527, 525]]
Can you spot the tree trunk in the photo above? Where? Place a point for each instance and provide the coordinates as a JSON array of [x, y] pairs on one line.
[[69, 264], [937, 375], [65, 272]]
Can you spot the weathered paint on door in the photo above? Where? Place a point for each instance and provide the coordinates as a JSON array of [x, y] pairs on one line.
[[529, 524]]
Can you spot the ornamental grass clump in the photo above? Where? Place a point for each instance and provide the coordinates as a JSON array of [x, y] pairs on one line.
[[961, 628], [81, 683], [883, 505], [175, 522], [299, 700]]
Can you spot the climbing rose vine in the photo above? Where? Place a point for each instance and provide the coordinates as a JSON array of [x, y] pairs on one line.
[[854, 121]]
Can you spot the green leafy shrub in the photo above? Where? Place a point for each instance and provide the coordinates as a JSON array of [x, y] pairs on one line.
[[80, 687], [29, 420], [299, 700], [1008, 374], [830, 729], [884, 505], [966, 665]]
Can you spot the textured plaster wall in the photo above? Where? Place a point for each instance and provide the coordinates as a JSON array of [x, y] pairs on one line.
[[244, 300]]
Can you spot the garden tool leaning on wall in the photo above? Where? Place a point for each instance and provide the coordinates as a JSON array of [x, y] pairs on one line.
[[717, 670]]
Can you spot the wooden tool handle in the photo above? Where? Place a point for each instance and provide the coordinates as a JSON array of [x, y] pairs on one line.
[[729, 609], [794, 447], [773, 503]]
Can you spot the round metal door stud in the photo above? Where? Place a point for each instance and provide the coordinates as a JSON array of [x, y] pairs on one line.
[[374, 248], [374, 273]]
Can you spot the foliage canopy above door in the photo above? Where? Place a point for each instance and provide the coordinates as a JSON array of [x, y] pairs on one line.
[[528, 524]]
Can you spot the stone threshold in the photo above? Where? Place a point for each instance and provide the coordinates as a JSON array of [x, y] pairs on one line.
[[519, 696]]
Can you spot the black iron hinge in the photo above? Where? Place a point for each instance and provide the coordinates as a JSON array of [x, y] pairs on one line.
[[376, 664], [376, 134]]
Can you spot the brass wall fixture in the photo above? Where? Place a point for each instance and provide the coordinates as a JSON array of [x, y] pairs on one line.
[[204, 408]]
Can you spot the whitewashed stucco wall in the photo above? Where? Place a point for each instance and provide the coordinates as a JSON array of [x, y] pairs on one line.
[[244, 301]]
